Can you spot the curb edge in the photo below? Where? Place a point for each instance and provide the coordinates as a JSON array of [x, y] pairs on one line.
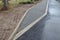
[[15, 30], [29, 26]]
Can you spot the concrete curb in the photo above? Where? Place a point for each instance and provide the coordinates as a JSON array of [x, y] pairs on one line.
[[33, 23], [15, 30]]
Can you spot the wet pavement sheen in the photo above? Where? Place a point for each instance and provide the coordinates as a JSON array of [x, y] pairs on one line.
[[33, 14], [48, 28], [51, 29]]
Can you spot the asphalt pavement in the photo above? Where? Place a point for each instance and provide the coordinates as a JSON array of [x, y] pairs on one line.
[[48, 28], [33, 14]]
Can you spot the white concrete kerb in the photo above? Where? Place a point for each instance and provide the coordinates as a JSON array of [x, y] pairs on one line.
[[33, 23]]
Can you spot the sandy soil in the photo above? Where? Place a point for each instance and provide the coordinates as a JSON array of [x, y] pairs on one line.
[[10, 19]]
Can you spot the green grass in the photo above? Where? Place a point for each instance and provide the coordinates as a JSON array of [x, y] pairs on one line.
[[25, 0], [15, 2], [19, 1], [1, 4]]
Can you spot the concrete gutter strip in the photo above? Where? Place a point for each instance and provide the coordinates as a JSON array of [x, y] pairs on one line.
[[31, 25], [15, 30], [33, 14]]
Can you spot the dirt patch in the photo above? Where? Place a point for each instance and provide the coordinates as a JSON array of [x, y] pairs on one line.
[[10, 19]]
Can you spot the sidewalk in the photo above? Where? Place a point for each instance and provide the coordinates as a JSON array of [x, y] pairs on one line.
[[33, 14]]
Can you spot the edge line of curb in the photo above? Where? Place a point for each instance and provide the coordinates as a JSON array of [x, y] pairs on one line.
[[15, 30], [33, 23]]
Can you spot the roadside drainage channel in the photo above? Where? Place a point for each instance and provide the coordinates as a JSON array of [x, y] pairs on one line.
[[32, 17]]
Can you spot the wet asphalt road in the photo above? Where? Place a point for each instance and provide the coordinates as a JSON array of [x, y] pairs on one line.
[[48, 28], [58, 0], [33, 14]]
